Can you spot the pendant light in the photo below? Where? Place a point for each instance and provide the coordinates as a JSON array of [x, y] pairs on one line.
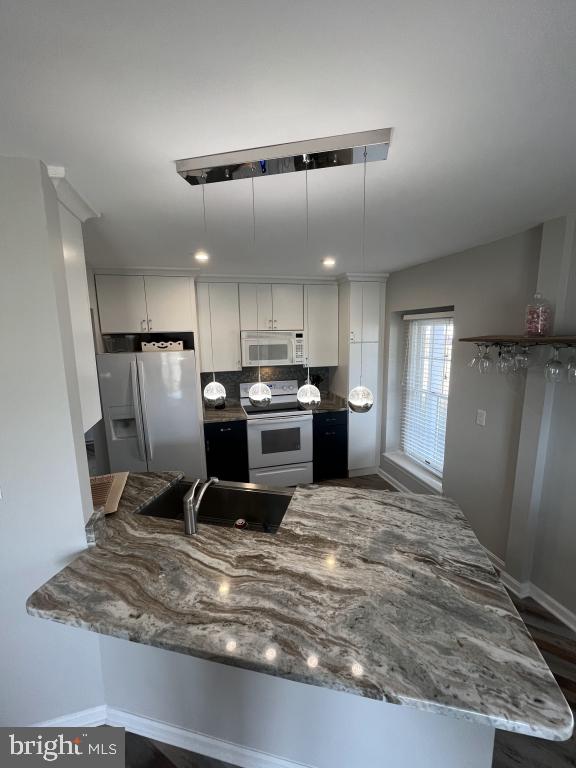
[[360, 398], [214, 392], [308, 395], [259, 394]]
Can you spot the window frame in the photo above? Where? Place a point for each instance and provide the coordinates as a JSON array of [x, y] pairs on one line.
[[420, 460]]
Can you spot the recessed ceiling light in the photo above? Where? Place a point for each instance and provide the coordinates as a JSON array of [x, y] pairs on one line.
[[201, 256], [329, 261]]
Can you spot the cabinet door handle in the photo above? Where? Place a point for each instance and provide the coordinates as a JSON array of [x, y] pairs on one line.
[[225, 429], [142, 325], [149, 323], [207, 443]]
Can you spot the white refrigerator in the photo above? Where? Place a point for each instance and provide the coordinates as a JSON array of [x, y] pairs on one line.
[[151, 413]]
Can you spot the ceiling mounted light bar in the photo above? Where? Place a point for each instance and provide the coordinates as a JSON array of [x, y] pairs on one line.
[[329, 152]]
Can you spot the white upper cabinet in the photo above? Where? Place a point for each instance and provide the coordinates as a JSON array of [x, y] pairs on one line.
[[219, 327], [169, 304], [121, 304], [321, 324], [287, 307], [151, 304], [276, 307], [256, 307], [364, 312]]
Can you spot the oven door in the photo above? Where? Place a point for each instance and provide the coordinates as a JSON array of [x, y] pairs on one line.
[[267, 351], [276, 441]]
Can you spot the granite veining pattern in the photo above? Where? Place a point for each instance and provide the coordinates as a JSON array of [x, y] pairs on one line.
[[379, 594]]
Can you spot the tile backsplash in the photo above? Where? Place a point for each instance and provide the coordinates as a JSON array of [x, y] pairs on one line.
[[232, 379]]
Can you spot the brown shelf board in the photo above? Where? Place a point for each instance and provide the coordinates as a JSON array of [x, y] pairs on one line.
[[508, 339]]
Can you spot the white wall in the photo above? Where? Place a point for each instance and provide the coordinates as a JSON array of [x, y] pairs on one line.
[[489, 287], [306, 724], [45, 669], [79, 302], [553, 566]]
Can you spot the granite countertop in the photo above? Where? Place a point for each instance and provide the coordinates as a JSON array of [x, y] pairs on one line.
[[383, 595], [234, 411]]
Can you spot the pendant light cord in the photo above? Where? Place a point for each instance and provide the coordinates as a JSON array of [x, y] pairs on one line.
[[363, 254], [211, 334], [204, 208], [307, 292], [253, 206]]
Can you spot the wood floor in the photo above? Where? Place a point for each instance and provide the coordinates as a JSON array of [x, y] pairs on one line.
[[557, 644]]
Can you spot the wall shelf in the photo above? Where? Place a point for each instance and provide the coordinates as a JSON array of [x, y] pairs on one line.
[[524, 341]]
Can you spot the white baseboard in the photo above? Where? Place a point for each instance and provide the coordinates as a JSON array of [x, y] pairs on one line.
[[217, 749], [552, 605], [523, 589], [363, 471], [209, 746], [392, 481], [84, 717]]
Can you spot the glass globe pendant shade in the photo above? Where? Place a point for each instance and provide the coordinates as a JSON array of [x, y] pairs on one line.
[[214, 394], [360, 399], [308, 396], [260, 395]]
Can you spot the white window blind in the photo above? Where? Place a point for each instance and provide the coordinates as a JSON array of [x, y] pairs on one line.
[[425, 385]]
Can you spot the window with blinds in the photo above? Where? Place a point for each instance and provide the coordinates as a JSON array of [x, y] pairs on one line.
[[425, 384]]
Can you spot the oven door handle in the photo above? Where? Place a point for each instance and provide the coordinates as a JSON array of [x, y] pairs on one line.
[[265, 421]]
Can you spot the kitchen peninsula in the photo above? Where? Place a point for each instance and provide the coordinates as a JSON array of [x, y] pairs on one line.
[[383, 596]]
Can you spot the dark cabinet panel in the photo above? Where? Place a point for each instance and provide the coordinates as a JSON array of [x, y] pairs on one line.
[[227, 450], [330, 445]]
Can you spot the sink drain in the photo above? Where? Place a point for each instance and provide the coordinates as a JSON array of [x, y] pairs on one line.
[[240, 523]]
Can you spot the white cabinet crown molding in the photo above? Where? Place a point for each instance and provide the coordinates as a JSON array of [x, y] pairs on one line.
[[366, 277], [69, 197], [147, 271]]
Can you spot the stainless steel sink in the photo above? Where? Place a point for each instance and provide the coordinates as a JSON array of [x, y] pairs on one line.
[[240, 505]]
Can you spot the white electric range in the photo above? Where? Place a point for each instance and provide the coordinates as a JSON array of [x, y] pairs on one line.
[[279, 437]]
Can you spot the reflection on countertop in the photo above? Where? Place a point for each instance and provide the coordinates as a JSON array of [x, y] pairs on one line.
[[383, 595], [233, 411]]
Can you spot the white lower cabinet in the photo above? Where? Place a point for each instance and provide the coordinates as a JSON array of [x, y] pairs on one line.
[[219, 327], [321, 324], [363, 428]]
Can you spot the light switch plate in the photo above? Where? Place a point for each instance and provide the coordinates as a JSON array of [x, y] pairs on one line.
[[481, 417]]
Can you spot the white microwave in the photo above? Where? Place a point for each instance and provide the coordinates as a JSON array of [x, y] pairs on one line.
[[272, 348]]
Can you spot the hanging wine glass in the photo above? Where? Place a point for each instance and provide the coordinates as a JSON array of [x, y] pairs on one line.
[[505, 363], [476, 357], [521, 359], [554, 368], [571, 370], [485, 361]]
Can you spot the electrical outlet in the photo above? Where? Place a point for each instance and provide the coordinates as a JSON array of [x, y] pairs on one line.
[[481, 417]]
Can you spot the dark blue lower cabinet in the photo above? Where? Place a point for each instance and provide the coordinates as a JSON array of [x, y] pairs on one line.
[[330, 445], [227, 450]]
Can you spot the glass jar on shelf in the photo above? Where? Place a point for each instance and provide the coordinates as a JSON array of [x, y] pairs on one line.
[[538, 321]]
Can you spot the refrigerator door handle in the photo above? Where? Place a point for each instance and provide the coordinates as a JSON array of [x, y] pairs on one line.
[[142, 383], [137, 410]]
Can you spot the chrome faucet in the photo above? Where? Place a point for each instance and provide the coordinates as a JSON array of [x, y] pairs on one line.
[[192, 505]]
